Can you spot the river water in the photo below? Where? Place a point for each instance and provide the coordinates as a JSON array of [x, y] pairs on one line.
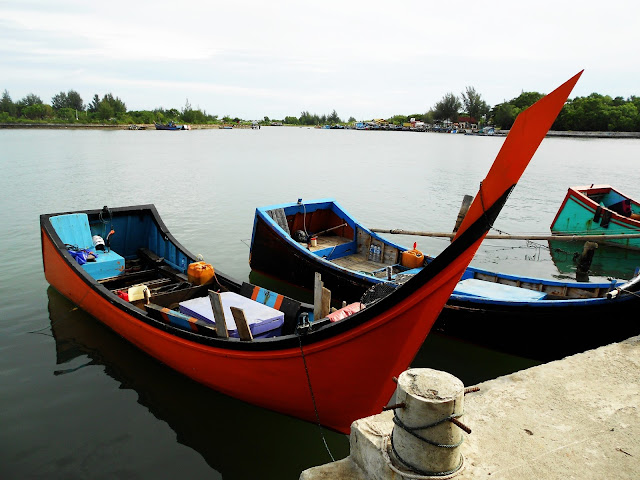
[[79, 402]]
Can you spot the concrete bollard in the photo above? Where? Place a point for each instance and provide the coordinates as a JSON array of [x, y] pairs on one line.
[[423, 440]]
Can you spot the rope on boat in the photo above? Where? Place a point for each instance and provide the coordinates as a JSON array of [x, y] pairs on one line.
[[622, 290], [484, 210], [39, 330], [101, 216], [313, 398], [304, 217]]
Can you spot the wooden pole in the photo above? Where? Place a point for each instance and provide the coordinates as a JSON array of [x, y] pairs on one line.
[[464, 208], [244, 332], [218, 314], [321, 298], [560, 237]]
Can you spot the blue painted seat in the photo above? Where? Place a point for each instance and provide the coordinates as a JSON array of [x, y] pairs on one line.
[[73, 229]]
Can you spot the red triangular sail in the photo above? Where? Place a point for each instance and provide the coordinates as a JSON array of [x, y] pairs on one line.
[[523, 140]]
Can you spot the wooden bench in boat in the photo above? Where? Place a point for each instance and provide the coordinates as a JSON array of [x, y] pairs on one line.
[[168, 291]]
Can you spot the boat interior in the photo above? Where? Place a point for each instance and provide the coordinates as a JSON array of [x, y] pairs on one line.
[[142, 266], [614, 201], [343, 242]]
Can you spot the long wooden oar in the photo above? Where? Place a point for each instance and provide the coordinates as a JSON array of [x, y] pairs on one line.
[[560, 237]]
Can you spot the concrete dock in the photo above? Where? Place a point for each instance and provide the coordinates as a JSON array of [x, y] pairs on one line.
[[576, 418]]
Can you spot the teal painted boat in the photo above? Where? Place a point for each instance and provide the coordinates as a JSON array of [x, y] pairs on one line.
[[599, 210]]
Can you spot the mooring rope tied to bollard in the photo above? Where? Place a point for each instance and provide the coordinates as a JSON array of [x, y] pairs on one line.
[[412, 430], [427, 399], [420, 474]]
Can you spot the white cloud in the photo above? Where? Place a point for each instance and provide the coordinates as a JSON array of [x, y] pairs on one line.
[[365, 59]]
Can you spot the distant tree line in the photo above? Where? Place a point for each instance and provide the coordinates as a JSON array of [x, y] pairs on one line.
[[68, 107], [592, 113], [600, 113], [597, 113], [307, 118]]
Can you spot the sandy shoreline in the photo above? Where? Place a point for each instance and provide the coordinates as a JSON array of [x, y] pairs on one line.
[[92, 126]]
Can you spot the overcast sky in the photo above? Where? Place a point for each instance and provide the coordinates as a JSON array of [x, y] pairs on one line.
[[366, 59]]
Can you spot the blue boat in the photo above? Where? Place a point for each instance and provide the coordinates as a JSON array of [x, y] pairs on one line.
[[537, 318], [599, 210], [171, 126]]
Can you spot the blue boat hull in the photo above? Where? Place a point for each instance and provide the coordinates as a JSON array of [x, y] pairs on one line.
[[536, 318]]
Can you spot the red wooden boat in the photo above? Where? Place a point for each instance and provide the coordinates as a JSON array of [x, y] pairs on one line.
[[327, 372]]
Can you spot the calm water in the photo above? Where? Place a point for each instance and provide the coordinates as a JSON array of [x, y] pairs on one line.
[[79, 402]]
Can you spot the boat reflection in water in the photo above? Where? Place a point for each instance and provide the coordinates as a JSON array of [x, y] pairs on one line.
[[608, 261], [236, 439], [226, 431]]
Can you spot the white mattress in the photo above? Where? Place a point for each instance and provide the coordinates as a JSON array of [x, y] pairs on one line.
[[263, 321]]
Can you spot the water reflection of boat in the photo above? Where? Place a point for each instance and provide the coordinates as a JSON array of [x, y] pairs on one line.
[[608, 261], [209, 422]]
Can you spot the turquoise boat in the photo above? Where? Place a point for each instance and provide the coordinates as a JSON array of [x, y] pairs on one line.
[[599, 210]]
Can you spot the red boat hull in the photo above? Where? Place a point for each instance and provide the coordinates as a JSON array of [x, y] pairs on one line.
[[343, 369], [350, 363]]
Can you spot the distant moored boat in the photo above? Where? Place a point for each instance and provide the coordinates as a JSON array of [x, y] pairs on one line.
[[599, 210], [171, 126]]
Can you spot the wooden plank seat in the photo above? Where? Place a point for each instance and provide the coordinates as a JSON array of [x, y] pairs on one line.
[[358, 262], [167, 286], [329, 241]]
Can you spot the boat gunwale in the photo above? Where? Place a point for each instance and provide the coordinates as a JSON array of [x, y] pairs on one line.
[[261, 212]]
